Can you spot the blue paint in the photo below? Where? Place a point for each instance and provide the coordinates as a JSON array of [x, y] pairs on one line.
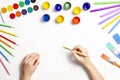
[[58, 7], [46, 17], [86, 6], [116, 37], [27, 2]]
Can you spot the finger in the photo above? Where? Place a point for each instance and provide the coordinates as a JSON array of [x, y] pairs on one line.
[[32, 60], [37, 62], [76, 55], [77, 48]]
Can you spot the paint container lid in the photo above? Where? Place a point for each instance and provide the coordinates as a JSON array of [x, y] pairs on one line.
[[59, 19], [9, 8], [86, 6], [33, 1], [12, 16], [21, 4], [18, 13], [76, 10], [75, 20], [46, 5], [24, 12], [67, 5], [36, 7], [29, 9], [27, 2], [15, 6], [58, 7], [3, 10], [46, 18]]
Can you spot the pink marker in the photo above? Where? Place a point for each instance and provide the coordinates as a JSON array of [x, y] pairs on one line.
[[4, 66]]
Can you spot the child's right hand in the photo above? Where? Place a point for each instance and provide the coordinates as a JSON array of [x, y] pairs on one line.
[[81, 54]]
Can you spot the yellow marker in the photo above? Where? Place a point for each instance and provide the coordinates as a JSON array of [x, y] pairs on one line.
[[8, 33], [77, 52], [3, 10], [46, 5], [76, 10], [9, 8], [113, 20], [6, 44], [59, 19]]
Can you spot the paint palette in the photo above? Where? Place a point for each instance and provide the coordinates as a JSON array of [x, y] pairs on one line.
[[22, 8]]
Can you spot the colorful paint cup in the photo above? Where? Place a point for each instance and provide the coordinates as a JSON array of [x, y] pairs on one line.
[[36, 7], [76, 10], [58, 7], [76, 20], [67, 5], [86, 6], [59, 19], [46, 5], [3, 10], [9, 8], [15, 6], [18, 14], [12, 16], [21, 4], [46, 18]]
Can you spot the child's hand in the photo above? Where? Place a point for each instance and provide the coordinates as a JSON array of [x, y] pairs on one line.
[[81, 54], [29, 65]]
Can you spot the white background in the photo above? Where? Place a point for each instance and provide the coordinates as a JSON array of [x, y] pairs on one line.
[[48, 38]]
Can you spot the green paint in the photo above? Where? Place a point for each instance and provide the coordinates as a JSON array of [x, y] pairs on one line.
[[30, 10], [21, 4]]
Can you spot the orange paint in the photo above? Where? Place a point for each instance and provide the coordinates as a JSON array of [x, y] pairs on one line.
[[3, 10], [18, 14]]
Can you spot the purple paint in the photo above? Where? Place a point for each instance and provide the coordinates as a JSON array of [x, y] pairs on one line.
[[104, 8], [24, 12]]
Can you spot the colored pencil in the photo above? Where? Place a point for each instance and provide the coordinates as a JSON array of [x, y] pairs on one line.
[[6, 44], [114, 26], [4, 66], [109, 18], [106, 2], [112, 21], [6, 26], [2, 18], [104, 8], [4, 56], [6, 50], [8, 40], [105, 57], [110, 12], [3, 31], [77, 52]]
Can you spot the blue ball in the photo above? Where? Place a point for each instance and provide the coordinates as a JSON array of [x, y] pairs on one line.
[[46, 17], [86, 6], [58, 7]]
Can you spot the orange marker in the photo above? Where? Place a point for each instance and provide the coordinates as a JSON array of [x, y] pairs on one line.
[[105, 57], [6, 44]]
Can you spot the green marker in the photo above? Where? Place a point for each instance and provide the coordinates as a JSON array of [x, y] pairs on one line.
[[6, 50], [100, 3], [6, 26]]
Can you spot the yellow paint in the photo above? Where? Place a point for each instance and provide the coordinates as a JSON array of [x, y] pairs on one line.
[[9, 8], [59, 19], [3, 10], [46, 5], [77, 10]]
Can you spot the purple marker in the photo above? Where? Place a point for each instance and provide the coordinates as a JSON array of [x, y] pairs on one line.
[[104, 8], [110, 12], [109, 18]]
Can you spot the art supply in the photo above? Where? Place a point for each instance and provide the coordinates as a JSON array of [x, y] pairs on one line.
[[106, 58], [2, 18], [59, 19], [24, 11], [6, 26], [8, 40], [35, 7], [4, 66], [67, 5], [46, 18], [86, 6], [76, 20], [3, 10], [18, 13], [106, 2], [112, 21], [21, 4], [77, 10], [113, 49], [77, 52], [29, 9], [114, 26], [5, 43], [110, 12], [3, 31], [4, 56], [15, 6], [58, 7], [9, 8], [12, 16], [109, 18], [6, 50], [33, 1], [104, 8], [116, 37], [27, 2], [46, 5]]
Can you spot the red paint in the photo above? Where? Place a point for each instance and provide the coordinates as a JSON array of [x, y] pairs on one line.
[[76, 20], [15, 6], [12, 16]]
